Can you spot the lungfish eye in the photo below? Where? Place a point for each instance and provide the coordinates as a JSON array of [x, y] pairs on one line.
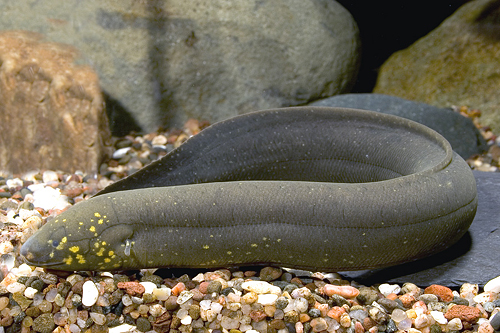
[[55, 243]]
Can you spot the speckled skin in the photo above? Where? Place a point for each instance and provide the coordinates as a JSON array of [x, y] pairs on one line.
[[316, 188]]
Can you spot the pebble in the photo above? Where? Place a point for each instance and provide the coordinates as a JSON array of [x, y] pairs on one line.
[[386, 289], [90, 293]]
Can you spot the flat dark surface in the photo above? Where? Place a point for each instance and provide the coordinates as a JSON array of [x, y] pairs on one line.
[[474, 259]]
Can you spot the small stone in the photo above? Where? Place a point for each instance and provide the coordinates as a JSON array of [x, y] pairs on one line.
[[454, 324], [439, 317], [495, 322], [22, 300], [267, 299], [463, 312], [445, 294], [386, 289], [90, 293], [344, 291], [270, 273], [319, 324], [485, 327], [428, 298], [149, 287], [44, 323], [367, 295], [260, 287], [132, 288], [98, 318], [493, 285]]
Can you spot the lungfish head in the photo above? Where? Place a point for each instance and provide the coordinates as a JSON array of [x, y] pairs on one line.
[[85, 237]]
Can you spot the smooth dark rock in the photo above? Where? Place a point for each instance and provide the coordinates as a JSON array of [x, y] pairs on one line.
[[473, 259], [463, 136]]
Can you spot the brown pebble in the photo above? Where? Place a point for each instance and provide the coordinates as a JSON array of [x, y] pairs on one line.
[[132, 288], [407, 300], [445, 294], [319, 324], [270, 273], [358, 327], [78, 287], [368, 323], [277, 324], [465, 313], [257, 315], [203, 287], [178, 288], [171, 303]]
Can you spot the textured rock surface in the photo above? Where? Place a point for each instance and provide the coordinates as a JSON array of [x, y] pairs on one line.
[[463, 136], [165, 62], [476, 252], [456, 64], [51, 111]]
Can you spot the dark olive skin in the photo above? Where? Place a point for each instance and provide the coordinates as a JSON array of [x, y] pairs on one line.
[[325, 189]]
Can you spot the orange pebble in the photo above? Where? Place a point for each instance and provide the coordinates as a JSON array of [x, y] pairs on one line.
[[336, 312], [178, 288], [392, 296], [344, 291]]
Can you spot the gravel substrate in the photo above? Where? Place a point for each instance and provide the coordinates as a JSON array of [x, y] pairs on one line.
[[256, 300]]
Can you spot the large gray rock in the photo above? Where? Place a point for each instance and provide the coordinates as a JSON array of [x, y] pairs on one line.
[[455, 64], [463, 136], [165, 61]]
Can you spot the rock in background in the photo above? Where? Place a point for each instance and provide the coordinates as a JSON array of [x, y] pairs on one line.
[[460, 131], [456, 64], [51, 111], [166, 61]]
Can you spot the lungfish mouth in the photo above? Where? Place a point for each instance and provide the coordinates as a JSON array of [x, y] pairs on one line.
[[36, 254]]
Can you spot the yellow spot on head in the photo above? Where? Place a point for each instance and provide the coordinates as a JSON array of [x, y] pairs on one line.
[[101, 221], [96, 245], [80, 258], [107, 260], [92, 228], [64, 240], [254, 245], [97, 215], [80, 223], [111, 253], [74, 249], [101, 251], [103, 243], [206, 247], [68, 260]]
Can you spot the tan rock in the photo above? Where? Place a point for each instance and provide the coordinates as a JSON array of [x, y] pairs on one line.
[[455, 64], [51, 111]]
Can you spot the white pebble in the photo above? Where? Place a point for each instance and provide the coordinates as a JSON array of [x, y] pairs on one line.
[[493, 285], [127, 300], [49, 176], [48, 198], [455, 324], [159, 140], [15, 287], [439, 317], [216, 307], [27, 213], [162, 293], [199, 278], [267, 299], [119, 153], [6, 247], [205, 304], [386, 289], [30, 292], [148, 287], [261, 287], [16, 182], [90, 293]]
